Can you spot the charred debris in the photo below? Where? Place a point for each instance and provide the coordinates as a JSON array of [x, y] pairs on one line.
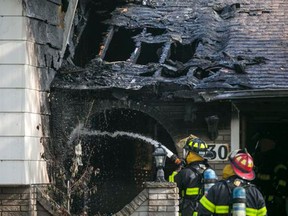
[[165, 49]]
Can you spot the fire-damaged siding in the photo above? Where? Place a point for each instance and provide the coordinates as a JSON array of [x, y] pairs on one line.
[[30, 40], [25, 80]]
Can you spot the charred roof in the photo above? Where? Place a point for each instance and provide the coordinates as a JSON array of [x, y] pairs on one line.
[[188, 46]]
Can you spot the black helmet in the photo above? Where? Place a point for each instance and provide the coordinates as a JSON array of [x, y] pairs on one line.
[[198, 146]]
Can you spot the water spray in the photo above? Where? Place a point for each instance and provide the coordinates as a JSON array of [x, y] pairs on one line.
[[155, 143]]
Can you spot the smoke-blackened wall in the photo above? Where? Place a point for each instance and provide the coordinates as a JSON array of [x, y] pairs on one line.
[[123, 162]]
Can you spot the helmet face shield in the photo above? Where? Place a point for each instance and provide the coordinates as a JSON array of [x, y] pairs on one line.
[[206, 154]]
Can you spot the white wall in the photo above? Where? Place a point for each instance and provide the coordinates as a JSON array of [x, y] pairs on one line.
[[20, 115], [235, 128]]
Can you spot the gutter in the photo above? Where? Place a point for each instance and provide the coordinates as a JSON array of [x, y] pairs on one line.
[[244, 94]]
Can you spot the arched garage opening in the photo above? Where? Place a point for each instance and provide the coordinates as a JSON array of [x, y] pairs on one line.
[[125, 162]]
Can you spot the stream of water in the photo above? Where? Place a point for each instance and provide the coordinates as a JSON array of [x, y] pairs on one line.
[[155, 143]]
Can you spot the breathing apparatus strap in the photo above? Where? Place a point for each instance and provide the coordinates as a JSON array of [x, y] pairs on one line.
[[231, 188], [230, 197]]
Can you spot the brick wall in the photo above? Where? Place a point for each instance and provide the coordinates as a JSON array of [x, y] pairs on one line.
[[16, 201], [157, 199], [27, 201]]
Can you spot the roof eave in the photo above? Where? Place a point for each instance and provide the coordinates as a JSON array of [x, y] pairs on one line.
[[244, 94]]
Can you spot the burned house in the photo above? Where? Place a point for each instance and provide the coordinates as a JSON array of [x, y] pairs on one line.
[[167, 69], [115, 76]]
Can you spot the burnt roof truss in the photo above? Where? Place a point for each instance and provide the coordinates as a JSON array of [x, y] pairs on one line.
[[172, 45], [146, 46]]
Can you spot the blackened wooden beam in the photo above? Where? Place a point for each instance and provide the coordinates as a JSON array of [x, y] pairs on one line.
[[107, 40], [68, 21], [158, 72], [165, 52], [134, 56]]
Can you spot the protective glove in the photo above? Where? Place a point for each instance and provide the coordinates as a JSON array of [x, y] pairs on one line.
[[180, 162]]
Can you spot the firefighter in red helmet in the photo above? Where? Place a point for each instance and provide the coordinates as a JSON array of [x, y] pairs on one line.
[[238, 173], [190, 179]]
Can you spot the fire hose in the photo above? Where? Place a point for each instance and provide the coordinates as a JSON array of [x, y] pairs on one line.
[[173, 156]]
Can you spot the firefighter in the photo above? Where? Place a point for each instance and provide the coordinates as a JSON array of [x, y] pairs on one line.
[[271, 175], [238, 173], [190, 179]]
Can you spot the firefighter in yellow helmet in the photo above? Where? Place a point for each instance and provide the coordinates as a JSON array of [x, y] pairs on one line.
[[219, 199], [190, 179]]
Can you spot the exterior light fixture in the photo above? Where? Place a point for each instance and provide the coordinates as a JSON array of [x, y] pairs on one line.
[[160, 157], [212, 123]]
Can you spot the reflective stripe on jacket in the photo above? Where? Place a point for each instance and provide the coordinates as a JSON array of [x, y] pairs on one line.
[[171, 177]]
